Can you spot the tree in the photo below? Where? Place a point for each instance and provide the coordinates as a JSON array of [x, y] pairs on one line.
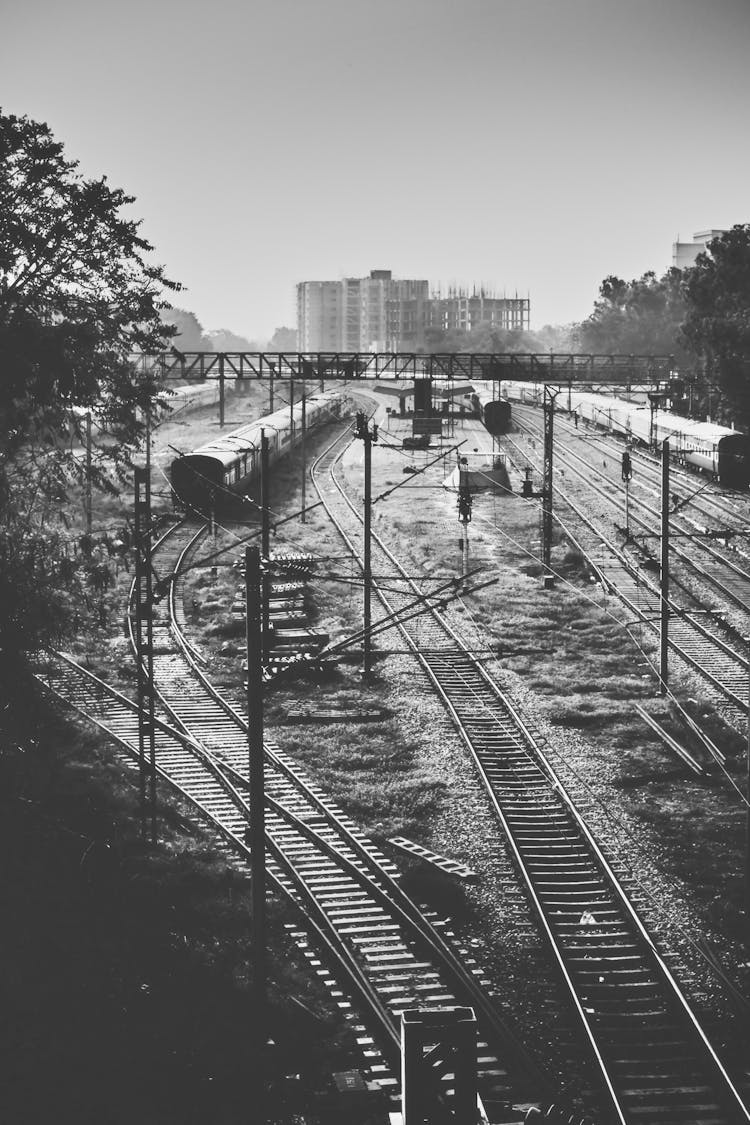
[[224, 340], [717, 323], [188, 331], [77, 299], [283, 340], [640, 317]]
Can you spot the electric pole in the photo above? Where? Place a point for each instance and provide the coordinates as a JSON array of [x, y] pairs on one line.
[[664, 572], [88, 475], [549, 413], [304, 457], [255, 835], [545, 495], [144, 643], [265, 547], [221, 390], [265, 488]]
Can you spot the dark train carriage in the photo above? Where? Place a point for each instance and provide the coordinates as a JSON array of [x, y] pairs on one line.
[[230, 463], [734, 460], [494, 412], [496, 416]]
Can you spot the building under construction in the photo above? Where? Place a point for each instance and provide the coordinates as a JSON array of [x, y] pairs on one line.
[[461, 310], [381, 313]]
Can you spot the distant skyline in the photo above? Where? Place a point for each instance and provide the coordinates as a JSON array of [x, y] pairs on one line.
[[532, 147]]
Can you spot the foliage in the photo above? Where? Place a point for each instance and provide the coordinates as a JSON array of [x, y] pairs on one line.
[[77, 299], [188, 331], [485, 339], [639, 317], [224, 340], [283, 340], [190, 336], [717, 325]]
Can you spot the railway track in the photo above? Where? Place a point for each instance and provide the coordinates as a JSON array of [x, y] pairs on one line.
[[720, 658], [699, 555], [654, 1061], [383, 953]]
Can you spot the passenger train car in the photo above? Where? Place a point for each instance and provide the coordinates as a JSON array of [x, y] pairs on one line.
[[181, 399], [230, 463], [718, 450], [494, 412]]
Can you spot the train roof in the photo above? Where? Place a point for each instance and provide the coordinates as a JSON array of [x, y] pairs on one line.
[[708, 432], [226, 447]]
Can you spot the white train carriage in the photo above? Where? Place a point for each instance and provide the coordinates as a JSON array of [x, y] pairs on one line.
[[718, 450], [181, 399], [231, 462]]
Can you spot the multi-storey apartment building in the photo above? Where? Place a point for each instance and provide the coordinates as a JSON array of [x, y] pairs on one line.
[[383, 313], [685, 253], [320, 314], [360, 314]]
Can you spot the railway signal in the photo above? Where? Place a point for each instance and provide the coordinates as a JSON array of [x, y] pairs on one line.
[[464, 514], [368, 435], [627, 473]]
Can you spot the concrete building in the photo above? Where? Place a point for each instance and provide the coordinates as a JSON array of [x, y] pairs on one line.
[[381, 313], [361, 314], [320, 312], [461, 311], [685, 253]]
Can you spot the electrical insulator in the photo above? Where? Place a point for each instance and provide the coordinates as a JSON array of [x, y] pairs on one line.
[[627, 468], [527, 488]]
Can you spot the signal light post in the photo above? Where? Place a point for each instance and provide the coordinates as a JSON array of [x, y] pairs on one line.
[[627, 473], [464, 515], [368, 435]]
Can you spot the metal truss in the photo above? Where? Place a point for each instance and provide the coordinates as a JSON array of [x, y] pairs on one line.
[[543, 367]]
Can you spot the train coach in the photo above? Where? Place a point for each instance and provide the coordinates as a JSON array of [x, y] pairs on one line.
[[495, 412], [231, 463], [181, 399], [720, 451]]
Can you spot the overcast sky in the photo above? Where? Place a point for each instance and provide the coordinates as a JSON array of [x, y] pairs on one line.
[[535, 146]]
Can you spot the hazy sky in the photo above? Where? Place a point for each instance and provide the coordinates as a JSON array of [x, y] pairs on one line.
[[532, 145]]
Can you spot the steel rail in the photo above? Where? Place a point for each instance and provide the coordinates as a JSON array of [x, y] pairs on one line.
[[298, 895], [394, 899], [674, 992], [704, 546], [421, 930], [737, 667]]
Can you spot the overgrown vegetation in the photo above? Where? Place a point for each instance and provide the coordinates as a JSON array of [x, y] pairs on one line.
[[78, 296], [126, 969]]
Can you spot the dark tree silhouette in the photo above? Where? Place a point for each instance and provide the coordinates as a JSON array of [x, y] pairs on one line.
[[77, 298], [717, 324]]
